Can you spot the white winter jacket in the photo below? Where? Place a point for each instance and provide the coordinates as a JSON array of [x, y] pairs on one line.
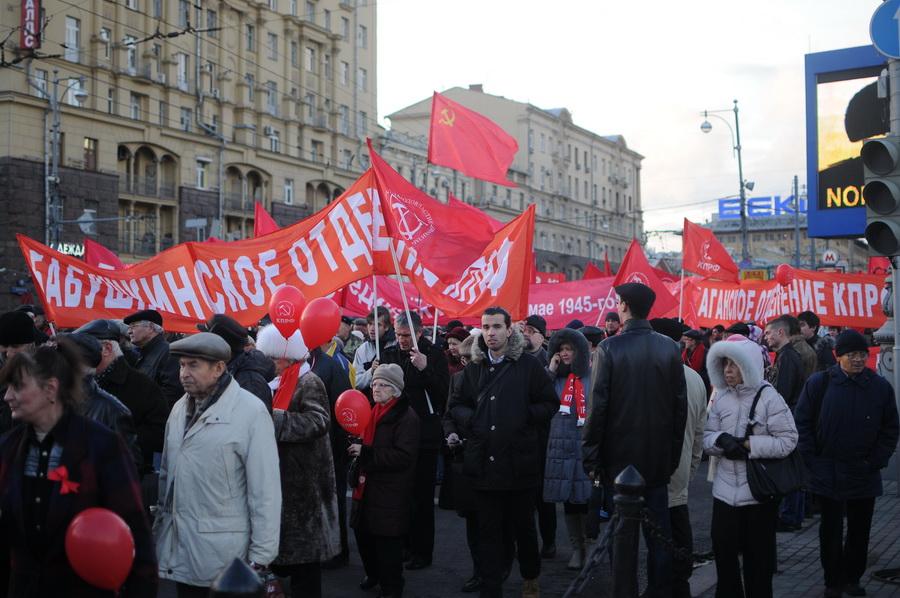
[[774, 432], [219, 489]]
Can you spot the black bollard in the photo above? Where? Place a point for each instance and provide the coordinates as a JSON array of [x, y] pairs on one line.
[[629, 502], [237, 580]]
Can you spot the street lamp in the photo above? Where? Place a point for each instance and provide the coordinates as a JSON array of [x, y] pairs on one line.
[[706, 127]]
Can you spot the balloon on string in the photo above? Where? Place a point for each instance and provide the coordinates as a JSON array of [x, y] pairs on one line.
[[784, 274], [285, 308], [320, 321], [352, 411], [100, 548]]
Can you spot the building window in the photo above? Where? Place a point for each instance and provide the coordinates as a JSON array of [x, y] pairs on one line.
[[318, 151], [202, 168], [184, 13], [274, 142], [251, 38], [186, 118], [309, 59], [40, 79], [326, 65], [362, 37], [345, 28], [131, 4], [76, 89], [273, 5], [105, 39], [163, 114], [273, 46], [362, 124], [295, 51], [346, 158], [135, 107], [344, 119], [272, 98], [310, 12], [310, 101], [73, 39], [345, 73], [90, 153], [289, 191], [362, 79], [328, 20], [111, 100], [212, 22], [251, 84], [181, 62], [156, 8], [293, 8], [131, 54]]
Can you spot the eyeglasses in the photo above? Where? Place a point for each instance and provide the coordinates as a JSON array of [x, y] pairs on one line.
[[858, 356]]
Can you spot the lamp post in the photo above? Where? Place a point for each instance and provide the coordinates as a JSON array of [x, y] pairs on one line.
[[706, 127]]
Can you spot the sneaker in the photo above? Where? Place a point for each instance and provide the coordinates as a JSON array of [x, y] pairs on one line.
[[531, 588], [854, 589]]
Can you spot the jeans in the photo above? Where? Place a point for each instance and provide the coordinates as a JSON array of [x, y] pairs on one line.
[[497, 510], [792, 507], [844, 560]]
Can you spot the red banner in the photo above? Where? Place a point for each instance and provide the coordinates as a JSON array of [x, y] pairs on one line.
[[587, 300]]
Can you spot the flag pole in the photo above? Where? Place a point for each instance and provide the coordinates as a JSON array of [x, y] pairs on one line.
[[375, 286], [681, 296], [403, 292], [434, 330]]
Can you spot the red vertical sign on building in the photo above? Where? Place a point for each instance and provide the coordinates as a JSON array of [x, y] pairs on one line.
[[30, 38]]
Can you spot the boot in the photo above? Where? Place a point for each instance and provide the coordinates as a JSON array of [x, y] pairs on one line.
[[531, 588], [575, 527]]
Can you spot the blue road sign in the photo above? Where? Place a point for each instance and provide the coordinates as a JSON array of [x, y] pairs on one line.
[[885, 28]]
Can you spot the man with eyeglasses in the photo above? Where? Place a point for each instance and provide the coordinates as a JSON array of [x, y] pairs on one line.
[[848, 428], [145, 329]]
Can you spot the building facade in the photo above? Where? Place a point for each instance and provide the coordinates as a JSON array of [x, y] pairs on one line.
[[586, 187], [175, 117]]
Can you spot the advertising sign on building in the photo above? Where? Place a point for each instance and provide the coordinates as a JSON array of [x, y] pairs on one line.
[[30, 25], [759, 207]]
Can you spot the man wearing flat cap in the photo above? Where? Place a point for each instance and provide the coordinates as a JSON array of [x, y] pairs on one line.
[[351, 341], [252, 370], [638, 415], [146, 332], [218, 481]]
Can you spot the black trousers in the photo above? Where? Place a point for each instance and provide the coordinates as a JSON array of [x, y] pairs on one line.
[[546, 515], [844, 560], [421, 529], [748, 531], [306, 579], [382, 558], [499, 510], [341, 463], [183, 590], [472, 531], [683, 537]]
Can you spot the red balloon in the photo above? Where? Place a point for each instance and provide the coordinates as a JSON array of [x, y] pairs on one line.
[[784, 274], [320, 321], [285, 307], [100, 548], [352, 411]]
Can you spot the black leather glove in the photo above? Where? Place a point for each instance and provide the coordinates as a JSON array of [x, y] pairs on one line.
[[731, 447]]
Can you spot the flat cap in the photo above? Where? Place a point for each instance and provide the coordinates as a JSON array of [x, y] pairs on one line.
[[593, 334], [203, 345], [668, 327], [693, 334], [104, 330], [347, 320], [359, 322], [738, 328], [639, 297], [145, 315], [575, 324], [16, 328], [88, 346]]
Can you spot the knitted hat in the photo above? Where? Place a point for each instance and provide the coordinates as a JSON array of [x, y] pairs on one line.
[[275, 346], [538, 323], [850, 341], [16, 328], [459, 333], [390, 373]]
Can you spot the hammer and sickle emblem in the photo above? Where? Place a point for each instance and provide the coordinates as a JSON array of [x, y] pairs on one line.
[[447, 117]]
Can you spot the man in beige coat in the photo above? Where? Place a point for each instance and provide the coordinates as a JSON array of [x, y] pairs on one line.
[[219, 496]]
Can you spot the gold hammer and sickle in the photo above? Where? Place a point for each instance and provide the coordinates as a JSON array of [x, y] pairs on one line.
[[447, 117]]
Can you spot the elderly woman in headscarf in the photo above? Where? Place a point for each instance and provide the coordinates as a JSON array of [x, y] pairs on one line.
[[382, 493], [309, 515]]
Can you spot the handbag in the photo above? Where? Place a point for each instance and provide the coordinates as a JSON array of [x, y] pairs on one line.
[[770, 479]]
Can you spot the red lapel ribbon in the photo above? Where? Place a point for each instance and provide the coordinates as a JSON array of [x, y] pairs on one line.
[[61, 474]]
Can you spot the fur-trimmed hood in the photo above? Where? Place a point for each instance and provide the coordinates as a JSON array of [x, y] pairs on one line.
[[581, 366], [515, 346], [744, 352], [274, 346]]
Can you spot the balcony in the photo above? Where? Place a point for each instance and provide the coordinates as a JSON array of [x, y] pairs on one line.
[[146, 187], [239, 202]]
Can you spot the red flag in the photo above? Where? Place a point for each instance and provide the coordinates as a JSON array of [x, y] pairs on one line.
[[877, 265], [592, 271], [467, 211], [444, 241], [636, 268], [703, 254], [469, 142], [99, 256], [607, 269], [263, 224]]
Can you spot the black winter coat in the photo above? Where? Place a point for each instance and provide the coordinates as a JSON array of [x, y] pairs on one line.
[[639, 406], [106, 409], [389, 465], [852, 438], [157, 364], [433, 380], [787, 375], [501, 408], [144, 399], [824, 348], [336, 381], [252, 370]]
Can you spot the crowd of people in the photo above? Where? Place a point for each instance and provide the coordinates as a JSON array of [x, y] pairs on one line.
[[224, 444]]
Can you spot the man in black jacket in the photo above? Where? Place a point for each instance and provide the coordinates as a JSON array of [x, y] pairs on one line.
[[637, 417], [822, 345], [146, 332], [426, 379], [503, 398]]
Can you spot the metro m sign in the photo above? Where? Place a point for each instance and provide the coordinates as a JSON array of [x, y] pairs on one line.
[[30, 38]]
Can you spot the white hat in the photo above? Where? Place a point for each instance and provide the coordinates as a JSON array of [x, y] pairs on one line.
[[275, 346]]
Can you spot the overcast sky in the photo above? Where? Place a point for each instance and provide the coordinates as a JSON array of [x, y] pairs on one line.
[[644, 70]]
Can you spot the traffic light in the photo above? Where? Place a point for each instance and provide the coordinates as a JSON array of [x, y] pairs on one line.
[[881, 165]]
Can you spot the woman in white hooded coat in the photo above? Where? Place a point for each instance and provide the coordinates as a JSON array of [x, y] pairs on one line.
[[740, 524]]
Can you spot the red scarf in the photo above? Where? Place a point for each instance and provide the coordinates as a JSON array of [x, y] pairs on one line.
[[286, 386], [574, 391], [378, 412]]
